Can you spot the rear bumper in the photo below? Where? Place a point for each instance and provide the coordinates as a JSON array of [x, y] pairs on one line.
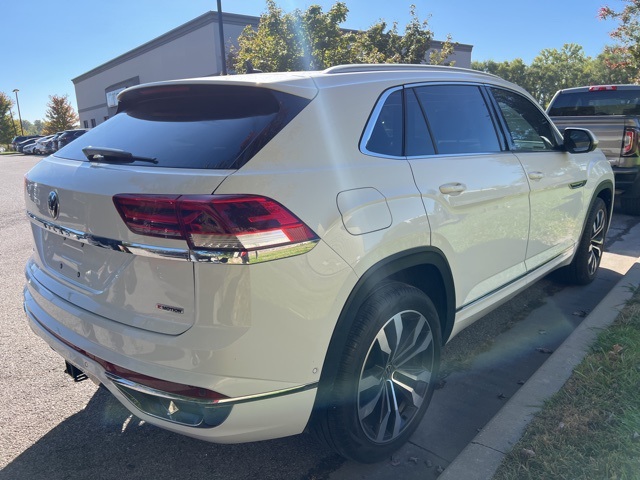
[[627, 180], [233, 420]]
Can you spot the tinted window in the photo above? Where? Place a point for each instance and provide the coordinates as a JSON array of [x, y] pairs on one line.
[[459, 119], [387, 133], [418, 139], [528, 127], [192, 126], [597, 102]]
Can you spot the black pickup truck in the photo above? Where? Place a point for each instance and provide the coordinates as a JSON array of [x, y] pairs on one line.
[[612, 113]]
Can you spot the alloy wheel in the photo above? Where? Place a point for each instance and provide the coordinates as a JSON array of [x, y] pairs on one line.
[[596, 244], [396, 375]]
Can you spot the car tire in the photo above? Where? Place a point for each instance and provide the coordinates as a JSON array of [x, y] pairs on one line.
[[584, 267], [386, 375]]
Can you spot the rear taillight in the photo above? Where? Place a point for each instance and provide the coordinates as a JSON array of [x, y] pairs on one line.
[[630, 142], [150, 215], [215, 223]]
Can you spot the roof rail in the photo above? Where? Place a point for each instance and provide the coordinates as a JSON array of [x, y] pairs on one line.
[[387, 67]]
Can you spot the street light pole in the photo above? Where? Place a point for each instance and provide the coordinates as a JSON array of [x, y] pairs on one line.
[[15, 90], [221, 32]]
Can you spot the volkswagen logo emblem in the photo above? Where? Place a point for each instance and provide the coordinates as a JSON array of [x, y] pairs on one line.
[[53, 203]]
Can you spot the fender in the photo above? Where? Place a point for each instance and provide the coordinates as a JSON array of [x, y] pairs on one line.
[[401, 266], [605, 191]]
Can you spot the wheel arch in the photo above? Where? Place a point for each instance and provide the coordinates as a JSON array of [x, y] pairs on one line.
[[604, 191], [424, 268]]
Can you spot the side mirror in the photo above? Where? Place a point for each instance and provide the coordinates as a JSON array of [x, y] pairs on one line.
[[579, 140]]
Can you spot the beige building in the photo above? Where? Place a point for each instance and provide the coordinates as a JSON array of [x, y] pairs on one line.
[[190, 50]]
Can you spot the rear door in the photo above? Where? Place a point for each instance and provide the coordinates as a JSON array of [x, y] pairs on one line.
[[475, 193]]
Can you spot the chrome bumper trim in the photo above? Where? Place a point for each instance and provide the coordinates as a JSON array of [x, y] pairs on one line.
[[225, 402]]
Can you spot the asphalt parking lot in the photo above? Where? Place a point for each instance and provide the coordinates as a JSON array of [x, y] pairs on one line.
[[55, 429]]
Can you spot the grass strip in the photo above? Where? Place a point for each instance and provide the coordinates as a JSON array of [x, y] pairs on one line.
[[591, 428]]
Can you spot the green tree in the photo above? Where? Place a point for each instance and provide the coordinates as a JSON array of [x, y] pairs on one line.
[[555, 69], [439, 57], [515, 71], [7, 127], [38, 125], [627, 33], [612, 66], [321, 38], [60, 115], [314, 40], [29, 128]]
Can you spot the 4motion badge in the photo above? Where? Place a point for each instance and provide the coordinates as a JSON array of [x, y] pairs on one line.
[[169, 308]]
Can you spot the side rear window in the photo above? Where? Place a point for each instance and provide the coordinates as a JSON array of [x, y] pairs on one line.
[[418, 138], [459, 119], [387, 134], [432, 120], [192, 126]]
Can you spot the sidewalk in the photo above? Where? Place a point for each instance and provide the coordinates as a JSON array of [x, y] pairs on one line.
[[482, 457]]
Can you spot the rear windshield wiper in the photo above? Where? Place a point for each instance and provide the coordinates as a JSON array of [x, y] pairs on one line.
[[104, 154]]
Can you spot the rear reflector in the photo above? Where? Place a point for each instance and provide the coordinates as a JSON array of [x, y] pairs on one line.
[[174, 388], [232, 223]]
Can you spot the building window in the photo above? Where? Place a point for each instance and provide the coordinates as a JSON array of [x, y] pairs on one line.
[[86, 124], [106, 118], [93, 122]]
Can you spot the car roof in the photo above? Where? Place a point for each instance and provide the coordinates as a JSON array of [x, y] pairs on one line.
[[307, 83]]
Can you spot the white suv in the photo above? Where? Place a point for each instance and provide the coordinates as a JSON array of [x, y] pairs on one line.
[[238, 258]]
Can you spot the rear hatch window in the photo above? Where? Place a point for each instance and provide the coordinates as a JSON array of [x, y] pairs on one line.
[[190, 126], [596, 102]]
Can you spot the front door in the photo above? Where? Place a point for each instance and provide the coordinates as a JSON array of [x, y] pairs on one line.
[[556, 179]]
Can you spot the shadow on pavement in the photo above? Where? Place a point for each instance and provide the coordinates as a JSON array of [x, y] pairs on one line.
[[104, 441]]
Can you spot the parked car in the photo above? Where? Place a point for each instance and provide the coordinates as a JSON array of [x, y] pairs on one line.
[[20, 138], [612, 112], [238, 258], [24, 143], [39, 147], [29, 148], [51, 145], [47, 146], [68, 136]]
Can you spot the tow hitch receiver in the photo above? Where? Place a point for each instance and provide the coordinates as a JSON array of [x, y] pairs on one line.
[[75, 373]]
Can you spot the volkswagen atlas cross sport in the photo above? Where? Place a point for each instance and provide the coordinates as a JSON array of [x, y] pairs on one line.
[[240, 258]]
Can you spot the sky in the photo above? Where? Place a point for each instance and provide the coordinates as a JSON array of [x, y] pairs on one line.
[[44, 43]]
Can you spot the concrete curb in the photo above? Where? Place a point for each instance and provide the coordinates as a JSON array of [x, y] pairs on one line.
[[482, 457]]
